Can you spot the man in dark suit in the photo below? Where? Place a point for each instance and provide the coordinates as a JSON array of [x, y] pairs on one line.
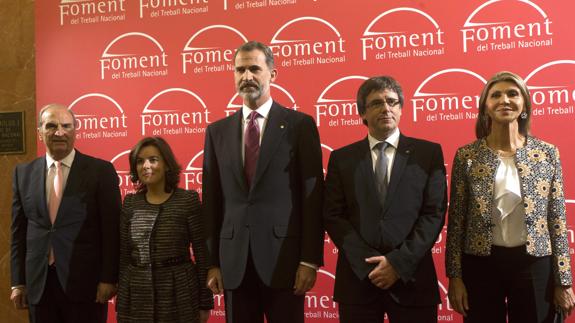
[[262, 199], [65, 228], [385, 201]]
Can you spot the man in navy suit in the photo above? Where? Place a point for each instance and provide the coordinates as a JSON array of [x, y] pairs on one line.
[[262, 199], [65, 245], [385, 202]]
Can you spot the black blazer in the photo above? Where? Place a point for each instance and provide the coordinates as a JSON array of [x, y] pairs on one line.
[[85, 236], [404, 229], [279, 218]]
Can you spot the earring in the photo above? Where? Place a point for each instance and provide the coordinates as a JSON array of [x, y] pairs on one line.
[[523, 115]]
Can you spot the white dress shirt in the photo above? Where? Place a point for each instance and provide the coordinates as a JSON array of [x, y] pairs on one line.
[[392, 143], [508, 213]]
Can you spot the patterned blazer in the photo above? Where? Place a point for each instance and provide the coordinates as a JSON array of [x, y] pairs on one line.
[[469, 228], [157, 284]]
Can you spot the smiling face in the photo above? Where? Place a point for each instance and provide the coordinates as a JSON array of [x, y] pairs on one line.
[[57, 131], [151, 167], [253, 77], [382, 113], [504, 103]]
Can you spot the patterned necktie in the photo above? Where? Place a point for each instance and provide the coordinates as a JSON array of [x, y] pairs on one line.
[[252, 146], [381, 171], [55, 199]]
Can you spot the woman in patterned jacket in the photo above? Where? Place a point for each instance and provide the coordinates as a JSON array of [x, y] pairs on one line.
[[158, 280], [507, 250]]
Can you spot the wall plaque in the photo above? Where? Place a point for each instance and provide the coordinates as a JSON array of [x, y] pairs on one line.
[[12, 132]]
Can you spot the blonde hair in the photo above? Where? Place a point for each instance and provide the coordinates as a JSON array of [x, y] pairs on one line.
[[483, 123]]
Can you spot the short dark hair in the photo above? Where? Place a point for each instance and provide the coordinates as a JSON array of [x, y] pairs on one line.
[[173, 169], [483, 123], [378, 83], [253, 45]]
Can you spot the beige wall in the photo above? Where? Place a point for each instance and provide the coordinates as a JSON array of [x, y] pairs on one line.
[[17, 93]]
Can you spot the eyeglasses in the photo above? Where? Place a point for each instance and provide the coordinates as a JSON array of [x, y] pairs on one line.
[[378, 104]]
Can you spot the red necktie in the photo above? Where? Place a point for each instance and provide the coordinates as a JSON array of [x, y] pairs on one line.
[[55, 199], [252, 146]]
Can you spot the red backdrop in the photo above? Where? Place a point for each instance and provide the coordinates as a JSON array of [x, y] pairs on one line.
[[164, 67]]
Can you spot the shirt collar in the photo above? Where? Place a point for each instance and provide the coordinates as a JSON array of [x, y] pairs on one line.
[[66, 161], [392, 140], [263, 109]]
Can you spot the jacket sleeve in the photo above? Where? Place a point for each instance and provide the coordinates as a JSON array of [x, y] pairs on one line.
[[196, 231], [125, 252], [125, 248], [406, 258], [557, 224], [311, 181], [18, 240], [212, 200], [458, 206], [109, 209]]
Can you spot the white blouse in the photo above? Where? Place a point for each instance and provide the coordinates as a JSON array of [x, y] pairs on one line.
[[508, 214]]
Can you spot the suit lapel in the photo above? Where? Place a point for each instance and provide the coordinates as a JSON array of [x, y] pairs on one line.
[[73, 183], [235, 148], [273, 133], [39, 180], [400, 161], [75, 175], [367, 175]]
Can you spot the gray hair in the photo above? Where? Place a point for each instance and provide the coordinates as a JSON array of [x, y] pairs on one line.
[[57, 106]]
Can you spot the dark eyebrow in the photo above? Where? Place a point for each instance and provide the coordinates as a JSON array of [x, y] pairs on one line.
[[250, 67], [375, 101], [386, 100]]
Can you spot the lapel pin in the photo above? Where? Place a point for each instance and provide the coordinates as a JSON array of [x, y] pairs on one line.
[[282, 126]]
